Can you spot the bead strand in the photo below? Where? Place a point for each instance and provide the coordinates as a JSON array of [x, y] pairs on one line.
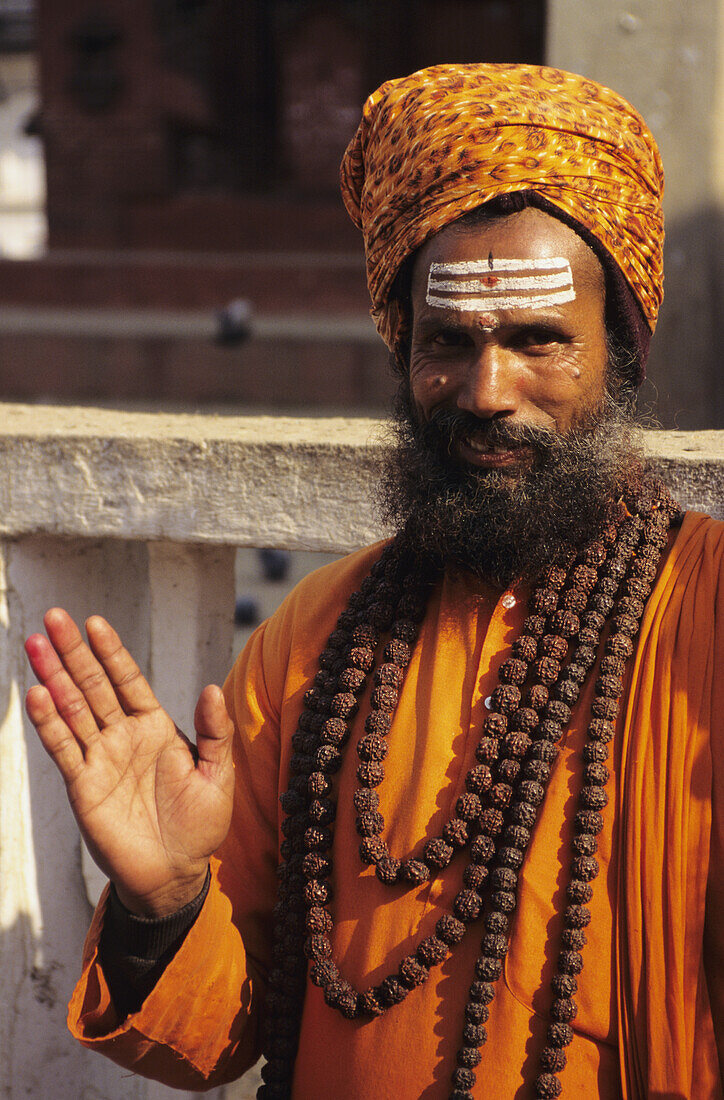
[[516, 750], [319, 737], [468, 903], [457, 832], [637, 585], [542, 753]]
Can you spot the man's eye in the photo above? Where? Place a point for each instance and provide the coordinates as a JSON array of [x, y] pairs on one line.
[[539, 338], [449, 338]]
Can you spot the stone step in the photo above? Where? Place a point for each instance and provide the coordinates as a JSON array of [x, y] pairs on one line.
[[175, 356], [275, 282]]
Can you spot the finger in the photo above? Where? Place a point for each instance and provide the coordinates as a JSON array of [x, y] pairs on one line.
[[129, 683], [43, 658], [57, 739], [67, 700], [82, 666], [214, 731]]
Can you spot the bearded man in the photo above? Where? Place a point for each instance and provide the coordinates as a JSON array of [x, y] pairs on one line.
[[476, 833]]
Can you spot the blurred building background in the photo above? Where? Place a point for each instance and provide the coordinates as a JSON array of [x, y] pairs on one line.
[[163, 162], [191, 150], [23, 224]]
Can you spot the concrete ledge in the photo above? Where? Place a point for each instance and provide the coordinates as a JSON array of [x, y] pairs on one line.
[[692, 465], [144, 324], [287, 482], [249, 481]]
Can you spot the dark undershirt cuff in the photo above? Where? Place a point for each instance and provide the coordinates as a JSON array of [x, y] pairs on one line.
[[134, 951]]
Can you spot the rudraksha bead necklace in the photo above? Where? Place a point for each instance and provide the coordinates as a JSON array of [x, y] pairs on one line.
[[502, 751], [503, 790], [648, 537]]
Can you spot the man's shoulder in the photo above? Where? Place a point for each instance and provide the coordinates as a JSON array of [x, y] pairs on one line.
[[314, 604], [338, 579], [700, 537], [690, 586], [285, 648]]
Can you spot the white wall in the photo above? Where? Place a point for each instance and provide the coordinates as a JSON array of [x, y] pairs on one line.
[[665, 57]]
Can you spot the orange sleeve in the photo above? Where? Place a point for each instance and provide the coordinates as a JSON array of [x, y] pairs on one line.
[[199, 1025]]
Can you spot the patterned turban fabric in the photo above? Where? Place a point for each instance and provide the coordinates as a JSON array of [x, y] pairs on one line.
[[435, 145]]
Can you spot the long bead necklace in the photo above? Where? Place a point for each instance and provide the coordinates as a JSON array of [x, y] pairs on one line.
[[644, 538], [495, 816]]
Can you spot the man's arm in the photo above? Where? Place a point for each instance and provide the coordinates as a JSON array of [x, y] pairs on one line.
[[134, 951], [200, 1023], [188, 1012], [152, 809]]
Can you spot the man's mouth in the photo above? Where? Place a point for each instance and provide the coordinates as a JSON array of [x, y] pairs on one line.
[[478, 451]]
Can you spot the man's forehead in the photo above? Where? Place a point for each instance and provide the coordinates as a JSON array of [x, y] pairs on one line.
[[527, 245], [497, 284]]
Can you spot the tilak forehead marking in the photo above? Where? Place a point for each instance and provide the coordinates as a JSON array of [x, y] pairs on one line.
[[490, 285]]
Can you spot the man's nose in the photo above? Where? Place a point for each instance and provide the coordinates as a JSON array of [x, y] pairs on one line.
[[490, 385]]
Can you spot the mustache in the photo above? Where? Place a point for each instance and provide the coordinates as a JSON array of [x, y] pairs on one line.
[[447, 427], [462, 517]]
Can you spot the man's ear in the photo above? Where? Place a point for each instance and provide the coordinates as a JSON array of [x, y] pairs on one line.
[[400, 315]]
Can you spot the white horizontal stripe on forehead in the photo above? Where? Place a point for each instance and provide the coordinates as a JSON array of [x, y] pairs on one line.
[[490, 305], [502, 283], [480, 267], [540, 283]]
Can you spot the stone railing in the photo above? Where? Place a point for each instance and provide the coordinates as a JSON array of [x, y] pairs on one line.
[[137, 516]]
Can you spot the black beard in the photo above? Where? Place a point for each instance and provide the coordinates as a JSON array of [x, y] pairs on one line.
[[501, 526]]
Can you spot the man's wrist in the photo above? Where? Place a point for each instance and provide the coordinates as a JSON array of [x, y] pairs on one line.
[[144, 937], [164, 903], [134, 951]]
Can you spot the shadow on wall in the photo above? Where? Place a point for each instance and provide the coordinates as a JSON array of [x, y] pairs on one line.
[[683, 388], [44, 913], [44, 910]]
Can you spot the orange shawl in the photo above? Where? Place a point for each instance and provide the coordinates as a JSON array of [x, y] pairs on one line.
[[644, 1027]]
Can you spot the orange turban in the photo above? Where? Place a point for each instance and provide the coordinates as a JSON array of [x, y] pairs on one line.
[[434, 145]]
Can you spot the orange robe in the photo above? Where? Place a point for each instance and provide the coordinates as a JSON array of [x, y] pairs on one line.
[[644, 1026]]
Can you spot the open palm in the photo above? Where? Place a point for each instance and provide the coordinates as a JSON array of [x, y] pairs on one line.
[[151, 808]]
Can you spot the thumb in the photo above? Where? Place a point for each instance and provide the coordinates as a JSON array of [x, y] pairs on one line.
[[214, 730]]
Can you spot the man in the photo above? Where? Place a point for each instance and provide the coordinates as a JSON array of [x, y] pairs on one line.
[[512, 887]]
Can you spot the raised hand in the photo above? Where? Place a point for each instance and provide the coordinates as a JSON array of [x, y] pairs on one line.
[[151, 808]]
